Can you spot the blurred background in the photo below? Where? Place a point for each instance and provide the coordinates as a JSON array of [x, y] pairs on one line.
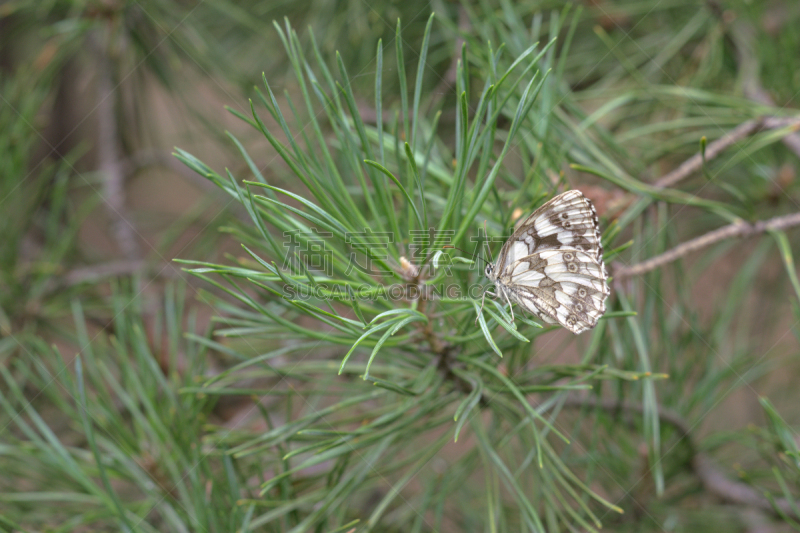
[[94, 207]]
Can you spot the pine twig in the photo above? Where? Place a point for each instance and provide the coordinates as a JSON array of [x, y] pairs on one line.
[[97, 273], [109, 162], [711, 477], [444, 351], [739, 229], [101, 272], [744, 130]]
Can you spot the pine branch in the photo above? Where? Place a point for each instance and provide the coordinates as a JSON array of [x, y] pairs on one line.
[[444, 351], [739, 229], [97, 273], [744, 130], [110, 164]]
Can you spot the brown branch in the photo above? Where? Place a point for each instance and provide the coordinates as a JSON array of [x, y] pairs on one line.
[[103, 271], [444, 351], [109, 163], [711, 477], [744, 130], [742, 35], [95, 273], [739, 229], [437, 346], [742, 38]]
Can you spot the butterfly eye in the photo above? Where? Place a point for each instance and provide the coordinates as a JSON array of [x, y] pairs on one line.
[[488, 270]]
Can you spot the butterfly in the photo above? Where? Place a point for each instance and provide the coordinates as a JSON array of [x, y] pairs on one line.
[[552, 265]]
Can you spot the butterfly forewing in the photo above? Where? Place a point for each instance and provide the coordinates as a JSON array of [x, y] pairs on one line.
[[568, 220], [552, 265]]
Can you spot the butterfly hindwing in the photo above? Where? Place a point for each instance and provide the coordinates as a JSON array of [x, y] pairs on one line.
[[566, 286]]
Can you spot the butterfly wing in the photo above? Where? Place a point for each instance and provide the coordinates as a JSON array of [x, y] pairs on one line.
[[552, 265], [567, 221], [564, 286]]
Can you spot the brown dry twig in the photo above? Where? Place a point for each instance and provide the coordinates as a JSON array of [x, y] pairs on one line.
[[109, 161], [744, 130], [104, 271], [738, 229], [711, 477], [444, 351], [96, 273]]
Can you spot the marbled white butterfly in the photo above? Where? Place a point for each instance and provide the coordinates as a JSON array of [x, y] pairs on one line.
[[552, 265]]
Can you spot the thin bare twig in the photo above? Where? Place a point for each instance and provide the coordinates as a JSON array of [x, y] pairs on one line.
[[109, 163], [95, 273], [711, 477], [103, 271], [744, 130], [739, 229]]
